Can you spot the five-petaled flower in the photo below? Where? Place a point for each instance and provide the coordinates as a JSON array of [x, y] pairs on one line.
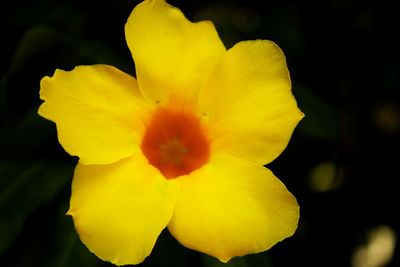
[[181, 146]]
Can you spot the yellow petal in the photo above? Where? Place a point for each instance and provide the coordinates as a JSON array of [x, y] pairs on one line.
[[120, 209], [232, 208], [98, 110], [173, 56], [248, 100]]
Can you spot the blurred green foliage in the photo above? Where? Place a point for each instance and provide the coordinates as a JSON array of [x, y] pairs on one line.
[[344, 65]]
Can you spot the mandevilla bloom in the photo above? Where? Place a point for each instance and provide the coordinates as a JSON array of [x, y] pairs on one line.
[[181, 146]]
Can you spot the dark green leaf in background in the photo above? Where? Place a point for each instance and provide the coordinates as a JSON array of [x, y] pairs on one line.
[[321, 118], [23, 189]]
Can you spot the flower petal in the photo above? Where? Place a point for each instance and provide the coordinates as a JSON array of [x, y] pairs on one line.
[[120, 209], [98, 110], [232, 208], [249, 102], [173, 56]]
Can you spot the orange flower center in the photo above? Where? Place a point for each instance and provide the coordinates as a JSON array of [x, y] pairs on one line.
[[174, 143]]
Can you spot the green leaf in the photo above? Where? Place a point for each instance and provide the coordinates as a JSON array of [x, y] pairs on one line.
[[37, 38], [25, 188], [235, 262], [321, 118], [168, 252], [62, 245]]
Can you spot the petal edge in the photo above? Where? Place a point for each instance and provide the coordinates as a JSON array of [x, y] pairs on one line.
[[259, 113], [173, 56], [233, 208], [95, 109], [119, 210]]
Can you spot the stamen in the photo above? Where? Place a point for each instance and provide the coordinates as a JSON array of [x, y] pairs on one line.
[[173, 151], [174, 143]]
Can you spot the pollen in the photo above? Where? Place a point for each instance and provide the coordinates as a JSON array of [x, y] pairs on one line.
[[175, 143]]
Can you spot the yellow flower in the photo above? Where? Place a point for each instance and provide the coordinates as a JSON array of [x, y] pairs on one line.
[[182, 146]]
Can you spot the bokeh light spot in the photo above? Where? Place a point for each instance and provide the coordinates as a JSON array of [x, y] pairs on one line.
[[325, 176], [378, 249]]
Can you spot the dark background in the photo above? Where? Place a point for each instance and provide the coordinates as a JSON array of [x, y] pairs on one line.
[[341, 164]]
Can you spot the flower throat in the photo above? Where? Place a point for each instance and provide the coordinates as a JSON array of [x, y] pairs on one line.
[[174, 143]]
